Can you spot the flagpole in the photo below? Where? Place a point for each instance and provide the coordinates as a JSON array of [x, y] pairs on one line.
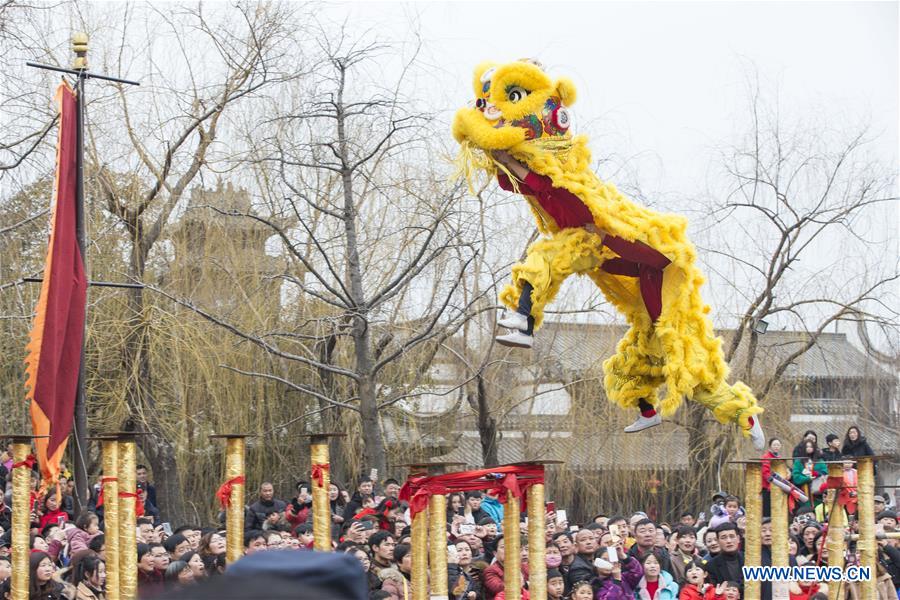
[[82, 492]]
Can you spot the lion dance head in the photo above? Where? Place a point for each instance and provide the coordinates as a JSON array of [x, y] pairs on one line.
[[517, 108]]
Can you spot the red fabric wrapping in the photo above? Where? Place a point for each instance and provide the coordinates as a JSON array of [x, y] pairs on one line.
[[100, 494], [224, 491], [503, 480], [28, 462], [138, 505], [318, 473]]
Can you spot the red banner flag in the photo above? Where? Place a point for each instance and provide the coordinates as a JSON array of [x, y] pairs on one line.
[[54, 350]]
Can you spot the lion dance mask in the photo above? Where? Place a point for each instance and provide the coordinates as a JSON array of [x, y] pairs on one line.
[[642, 261]]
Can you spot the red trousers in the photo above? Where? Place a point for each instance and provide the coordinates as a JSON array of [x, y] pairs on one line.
[[641, 261]]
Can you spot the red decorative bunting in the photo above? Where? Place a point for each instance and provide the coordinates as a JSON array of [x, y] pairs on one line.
[[504, 480], [224, 491], [318, 473]]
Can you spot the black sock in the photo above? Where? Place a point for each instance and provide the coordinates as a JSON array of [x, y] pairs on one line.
[[530, 330]]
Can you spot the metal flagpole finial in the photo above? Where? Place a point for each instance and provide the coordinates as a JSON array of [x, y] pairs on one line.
[[80, 48]]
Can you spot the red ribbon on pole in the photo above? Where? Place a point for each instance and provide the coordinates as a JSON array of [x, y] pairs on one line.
[[224, 491], [318, 473], [28, 462], [138, 505], [100, 494], [503, 480]]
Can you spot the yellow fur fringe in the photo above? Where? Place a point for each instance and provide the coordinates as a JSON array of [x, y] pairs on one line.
[[681, 350]]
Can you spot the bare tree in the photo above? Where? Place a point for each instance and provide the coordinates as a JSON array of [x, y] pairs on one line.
[[793, 192], [171, 144]]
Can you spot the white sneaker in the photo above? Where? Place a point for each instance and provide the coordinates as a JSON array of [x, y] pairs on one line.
[[644, 423], [756, 434], [516, 339], [514, 320]]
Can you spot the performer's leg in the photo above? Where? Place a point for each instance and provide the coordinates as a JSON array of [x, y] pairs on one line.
[[520, 321], [734, 404]]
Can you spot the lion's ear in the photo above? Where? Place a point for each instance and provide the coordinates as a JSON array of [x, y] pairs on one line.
[[566, 90], [479, 71]]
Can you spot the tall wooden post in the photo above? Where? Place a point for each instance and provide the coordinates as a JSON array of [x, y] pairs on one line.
[[235, 451], [21, 514], [437, 523], [753, 506], [320, 480], [537, 547], [868, 551], [836, 525], [127, 518], [779, 529], [435, 519], [110, 487], [512, 539]]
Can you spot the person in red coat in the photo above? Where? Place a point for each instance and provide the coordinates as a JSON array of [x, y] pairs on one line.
[[493, 575], [52, 511]]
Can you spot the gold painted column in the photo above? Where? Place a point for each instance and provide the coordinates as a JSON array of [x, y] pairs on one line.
[[419, 542], [127, 519], [868, 551], [110, 487], [836, 525], [779, 518], [21, 516], [320, 479], [437, 524], [235, 450], [537, 547], [752, 542], [779, 529], [512, 539]]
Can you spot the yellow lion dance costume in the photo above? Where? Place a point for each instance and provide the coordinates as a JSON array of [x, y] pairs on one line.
[[521, 111]]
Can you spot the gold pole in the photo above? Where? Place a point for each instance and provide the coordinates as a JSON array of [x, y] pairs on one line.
[[21, 517], [753, 507], [111, 516], [512, 539], [318, 452], [836, 525], [866, 544], [234, 514], [127, 521], [779, 530], [537, 547], [437, 522], [420, 556]]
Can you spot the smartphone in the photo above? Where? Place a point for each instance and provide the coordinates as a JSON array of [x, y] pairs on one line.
[[611, 555], [615, 533], [304, 490], [373, 474], [60, 520], [574, 528], [167, 528], [561, 516], [551, 507], [452, 554], [466, 529], [366, 525]]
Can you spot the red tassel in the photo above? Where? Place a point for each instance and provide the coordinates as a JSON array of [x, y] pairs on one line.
[[224, 491]]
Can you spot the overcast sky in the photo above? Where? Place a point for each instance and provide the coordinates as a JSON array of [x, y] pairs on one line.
[[666, 81]]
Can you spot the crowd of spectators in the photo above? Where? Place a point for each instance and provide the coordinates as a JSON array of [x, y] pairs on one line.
[[608, 557]]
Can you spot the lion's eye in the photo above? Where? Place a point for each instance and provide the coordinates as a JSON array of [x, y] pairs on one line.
[[516, 93]]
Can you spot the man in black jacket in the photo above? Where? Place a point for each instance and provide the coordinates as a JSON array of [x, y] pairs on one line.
[[729, 563], [832, 450], [265, 506], [582, 566]]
